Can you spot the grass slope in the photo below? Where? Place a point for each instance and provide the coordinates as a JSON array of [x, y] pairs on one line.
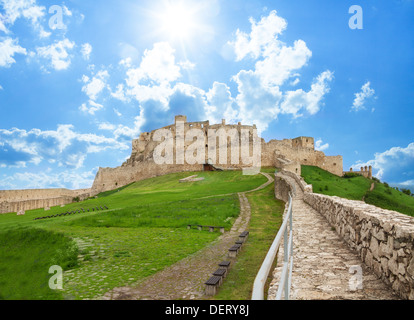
[[143, 232], [358, 188], [25, 258], [266, 218]]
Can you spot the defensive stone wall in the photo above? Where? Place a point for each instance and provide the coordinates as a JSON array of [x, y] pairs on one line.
[[23, 200], [300, 181], [384, 239], [288, 154], [283, 188], [365, 171]]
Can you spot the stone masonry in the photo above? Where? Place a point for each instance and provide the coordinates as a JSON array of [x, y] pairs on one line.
[[384, 239], [379, 240], [289, 154]]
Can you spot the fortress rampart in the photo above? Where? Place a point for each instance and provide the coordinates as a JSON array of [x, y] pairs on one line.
[[288, 154], [22, 200], [365, 171]]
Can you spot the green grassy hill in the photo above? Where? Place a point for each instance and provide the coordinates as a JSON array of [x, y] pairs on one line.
[[358, 188], [142, 232]]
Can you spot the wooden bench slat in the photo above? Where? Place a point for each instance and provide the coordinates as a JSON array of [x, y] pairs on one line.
[[213, 281]]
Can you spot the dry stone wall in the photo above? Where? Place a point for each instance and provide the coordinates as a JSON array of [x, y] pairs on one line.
[[384, 239]]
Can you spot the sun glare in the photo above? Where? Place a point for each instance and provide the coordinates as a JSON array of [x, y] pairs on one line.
[[178, 21]]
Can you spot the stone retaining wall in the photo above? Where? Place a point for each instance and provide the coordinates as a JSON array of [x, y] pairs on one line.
[[299, 180], [384, 239], [283, 188]]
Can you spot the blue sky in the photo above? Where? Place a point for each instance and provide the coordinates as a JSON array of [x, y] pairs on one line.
[[79, 81]]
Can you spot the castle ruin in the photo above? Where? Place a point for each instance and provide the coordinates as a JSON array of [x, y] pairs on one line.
[[287, 154]]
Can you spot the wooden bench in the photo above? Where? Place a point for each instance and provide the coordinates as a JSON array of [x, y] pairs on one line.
[[225, 264], [243, 236], [234, 250], [212, 285], [220, 272]]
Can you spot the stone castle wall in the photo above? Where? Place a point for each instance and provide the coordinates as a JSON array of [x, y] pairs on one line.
[[384, 239], [365, 171], [288, 154], [23, 200]]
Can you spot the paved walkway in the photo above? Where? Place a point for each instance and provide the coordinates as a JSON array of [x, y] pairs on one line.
[[185, 279], [323, 262]]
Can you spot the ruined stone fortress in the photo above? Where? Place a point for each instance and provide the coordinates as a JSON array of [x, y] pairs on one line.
[[287, 154]]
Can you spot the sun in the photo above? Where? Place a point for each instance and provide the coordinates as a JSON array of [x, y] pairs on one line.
[[177, 20]]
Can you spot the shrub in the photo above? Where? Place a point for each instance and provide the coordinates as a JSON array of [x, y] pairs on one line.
[[406, 191], [349, 175]]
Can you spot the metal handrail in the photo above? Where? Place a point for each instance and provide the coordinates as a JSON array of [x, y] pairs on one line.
[[286, 275]]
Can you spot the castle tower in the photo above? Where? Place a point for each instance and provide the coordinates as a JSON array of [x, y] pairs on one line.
[[180, 118]]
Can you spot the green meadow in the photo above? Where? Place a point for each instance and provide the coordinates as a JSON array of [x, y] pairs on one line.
[[143, 231], [358, 188]]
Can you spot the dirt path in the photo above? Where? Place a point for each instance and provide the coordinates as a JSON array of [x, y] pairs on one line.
[[323, 262], [185, 279]]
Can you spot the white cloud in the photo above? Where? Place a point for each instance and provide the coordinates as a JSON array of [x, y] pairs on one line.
[[27, 9], [157, 65], [360, 98], [86, 51], [295, 82], [106, 126], [258, 104], [57, 53], [281, 62], [94, 87], [46, 179], [186, 65], [120, 93], [127, 62], [260, 99], [311, 101], [91, 107], [133, 132], [263, 34], [63, 145], [8, 48], [221, 104], [320, 146], [3, 27], [119, 114]]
